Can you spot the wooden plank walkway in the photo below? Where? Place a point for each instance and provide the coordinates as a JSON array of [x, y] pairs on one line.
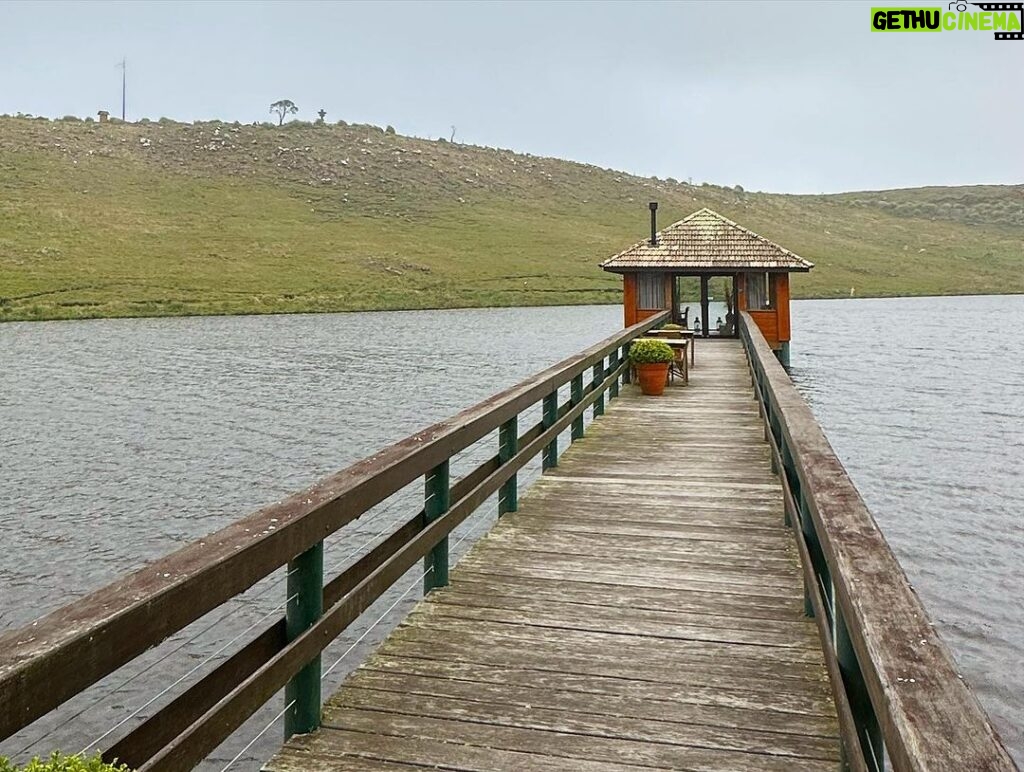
[[641, 610]]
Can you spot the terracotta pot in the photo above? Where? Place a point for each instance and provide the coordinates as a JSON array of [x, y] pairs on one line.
[[652, 378]]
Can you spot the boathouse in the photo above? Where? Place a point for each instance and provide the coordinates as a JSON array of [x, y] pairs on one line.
[[705, 245]]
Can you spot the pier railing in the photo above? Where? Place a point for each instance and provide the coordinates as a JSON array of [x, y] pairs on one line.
[[896, 687], [63, 653]]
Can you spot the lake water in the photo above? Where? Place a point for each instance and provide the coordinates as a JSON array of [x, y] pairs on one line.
[[125, 439]]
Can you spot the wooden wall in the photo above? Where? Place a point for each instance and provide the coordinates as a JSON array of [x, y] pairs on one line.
[[773, 322], [629, 299], [631, 314]]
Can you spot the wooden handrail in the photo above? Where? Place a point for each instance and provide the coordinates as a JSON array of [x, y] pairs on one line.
[[64, 652], [928, 716]]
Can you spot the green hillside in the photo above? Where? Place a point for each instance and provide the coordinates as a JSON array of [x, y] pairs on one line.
[[168, 218]]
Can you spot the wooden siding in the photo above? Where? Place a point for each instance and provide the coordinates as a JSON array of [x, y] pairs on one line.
[[768, 323], [629, 299], [780, 286]]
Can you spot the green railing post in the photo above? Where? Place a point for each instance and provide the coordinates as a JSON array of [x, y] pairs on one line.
[[598, 378], [437, 499], [613, 364], [304, 607], [789, 472], [627, 377], [508, 446], [575, 397], [868, 729], [808, 531], [549, 458]]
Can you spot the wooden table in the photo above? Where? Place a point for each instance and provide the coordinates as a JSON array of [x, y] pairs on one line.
[[675, 335]]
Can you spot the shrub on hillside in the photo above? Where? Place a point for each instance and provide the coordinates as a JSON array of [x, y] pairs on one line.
[[390, 129], [73, 118]]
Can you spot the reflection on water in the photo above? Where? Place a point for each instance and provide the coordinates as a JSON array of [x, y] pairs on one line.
[[125, 439]]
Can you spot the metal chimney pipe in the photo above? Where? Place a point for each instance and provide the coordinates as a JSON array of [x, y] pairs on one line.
[[654, 223]]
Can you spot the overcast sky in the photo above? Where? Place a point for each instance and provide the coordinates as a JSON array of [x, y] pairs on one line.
[[791, 97]]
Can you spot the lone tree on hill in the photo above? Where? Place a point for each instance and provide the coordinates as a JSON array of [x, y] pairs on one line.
[[283, 107]]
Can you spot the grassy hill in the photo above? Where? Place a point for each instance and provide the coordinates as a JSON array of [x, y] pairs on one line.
[[169, 218]]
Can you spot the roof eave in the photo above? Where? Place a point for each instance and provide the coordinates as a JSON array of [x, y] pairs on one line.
[[720, 268]]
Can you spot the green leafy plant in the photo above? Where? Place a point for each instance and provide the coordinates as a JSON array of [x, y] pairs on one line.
[[58, 762], [648, 351], [671, 326]]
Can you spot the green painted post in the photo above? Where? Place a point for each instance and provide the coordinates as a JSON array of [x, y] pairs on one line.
[[437, 499], [808, 530], [627, 377], [787, 465], [508, 446], [305, 606], [549, 458], [868, 729], [613, 364], [575, 397], [598, 377]]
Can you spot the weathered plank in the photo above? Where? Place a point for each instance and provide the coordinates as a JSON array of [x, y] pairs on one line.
[[518, 673], [563, 749], [665, 624], [553, 697], [636, 611], [749, 740], [594, 592], [339, 749]]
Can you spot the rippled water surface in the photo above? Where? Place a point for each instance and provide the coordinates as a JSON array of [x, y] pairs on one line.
[[123, 440]]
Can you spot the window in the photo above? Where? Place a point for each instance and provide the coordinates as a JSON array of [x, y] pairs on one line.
[[759, 291], [650, 291]]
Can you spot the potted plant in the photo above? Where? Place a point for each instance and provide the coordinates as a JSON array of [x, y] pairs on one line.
[[59, 762], [672, 330], [651, 358]]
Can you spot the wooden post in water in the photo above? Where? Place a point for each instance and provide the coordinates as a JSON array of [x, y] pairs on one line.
[[783, 353], [437, 499], [304, 608]]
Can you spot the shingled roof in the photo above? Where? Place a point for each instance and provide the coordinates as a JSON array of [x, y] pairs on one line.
[[706, 241]]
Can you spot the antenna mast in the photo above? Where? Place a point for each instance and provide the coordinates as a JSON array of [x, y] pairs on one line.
[[124, 85]]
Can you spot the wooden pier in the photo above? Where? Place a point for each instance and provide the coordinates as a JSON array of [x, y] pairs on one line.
[[643, 607], [695, 584]]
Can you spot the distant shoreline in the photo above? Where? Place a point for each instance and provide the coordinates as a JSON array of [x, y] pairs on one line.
[[264, 312]]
